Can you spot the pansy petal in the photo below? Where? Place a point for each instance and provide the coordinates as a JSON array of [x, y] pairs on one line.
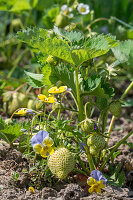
[[103, 179], [95, 174], [52, 90], [42, 97], [21, 112], [37, 148], [43, 152], [91, 181], [98, 190], [39, 137], [91, 189], [48, 141], [100, 184], [50, 150], [29, 111], [51, 100], [62, 88]]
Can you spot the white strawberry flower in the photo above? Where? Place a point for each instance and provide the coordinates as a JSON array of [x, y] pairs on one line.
[[66, 10], [83, 9]]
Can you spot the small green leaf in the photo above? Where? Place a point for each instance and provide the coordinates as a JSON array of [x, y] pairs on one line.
[[115, 154], [15, 176], [4, 137], [92, 83], [66, 76], [11, 133], [35, 80], [121, 179]]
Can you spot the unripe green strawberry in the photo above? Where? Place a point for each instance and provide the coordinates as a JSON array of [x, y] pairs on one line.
[[94, 151], [87, 126], [7, 96], [61, 163], [31, 104], [16, 23], [14, 104], [23, 100], [51, 60], [115, 108], [97, 141], [39, 104], [61, 20]]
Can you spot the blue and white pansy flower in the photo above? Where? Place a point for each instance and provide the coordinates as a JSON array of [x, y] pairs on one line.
[[97, 175], [42, 143]]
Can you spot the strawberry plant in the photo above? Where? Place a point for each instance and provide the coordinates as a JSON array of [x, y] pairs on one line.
[[75, 73]]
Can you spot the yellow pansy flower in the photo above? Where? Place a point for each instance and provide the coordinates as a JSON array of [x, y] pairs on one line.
[[31, 190], [50, 99], [55, 90], [21, 112], [42, 143], [24, 111], [95, 186]]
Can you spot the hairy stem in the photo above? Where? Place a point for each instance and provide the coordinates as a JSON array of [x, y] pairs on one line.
[[80, 115], [127, 90], [91, 164]]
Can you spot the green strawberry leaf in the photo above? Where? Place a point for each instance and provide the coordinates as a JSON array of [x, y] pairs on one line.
[[124, 52], [35, 80], [20, 5], [97, 87], [11, 133], [49, 75]]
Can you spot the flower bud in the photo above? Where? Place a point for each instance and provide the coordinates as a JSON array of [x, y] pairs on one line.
[[87, 126]]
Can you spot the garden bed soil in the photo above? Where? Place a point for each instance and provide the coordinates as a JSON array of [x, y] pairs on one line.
[[11, 160]]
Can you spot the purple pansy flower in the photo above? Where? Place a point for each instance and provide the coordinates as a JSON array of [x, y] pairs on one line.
[[29, 111], [39, 137], [42, 143], [97, 175]]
